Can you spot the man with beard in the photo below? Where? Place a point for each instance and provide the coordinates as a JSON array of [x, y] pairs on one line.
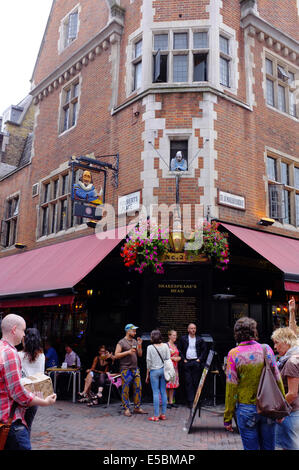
[[127, 351]]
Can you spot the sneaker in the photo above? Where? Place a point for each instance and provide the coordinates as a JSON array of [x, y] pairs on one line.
[[162, 417]]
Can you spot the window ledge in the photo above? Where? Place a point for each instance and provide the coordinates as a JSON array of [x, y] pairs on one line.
[[67, 131], [272, 108], [62, 232]]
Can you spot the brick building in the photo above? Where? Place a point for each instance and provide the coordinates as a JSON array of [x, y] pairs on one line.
[[144, 79]]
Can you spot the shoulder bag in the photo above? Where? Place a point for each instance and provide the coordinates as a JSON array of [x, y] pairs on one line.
[[5, 427], [169, 372], [270, 401]]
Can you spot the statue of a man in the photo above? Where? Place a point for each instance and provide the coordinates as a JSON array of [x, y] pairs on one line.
[[178, 163], [86, 191]]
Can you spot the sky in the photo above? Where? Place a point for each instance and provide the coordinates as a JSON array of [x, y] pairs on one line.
[[22, 26]]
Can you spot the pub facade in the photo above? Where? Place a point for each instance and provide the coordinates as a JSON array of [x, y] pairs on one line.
[[175, 104]]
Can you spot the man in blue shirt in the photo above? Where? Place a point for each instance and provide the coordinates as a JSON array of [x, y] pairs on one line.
[[51, 355]]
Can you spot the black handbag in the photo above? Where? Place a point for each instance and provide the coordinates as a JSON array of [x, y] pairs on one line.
[[270, 401]]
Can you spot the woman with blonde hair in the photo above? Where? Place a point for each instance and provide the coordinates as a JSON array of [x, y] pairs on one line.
[[286, 344], [171, 386]]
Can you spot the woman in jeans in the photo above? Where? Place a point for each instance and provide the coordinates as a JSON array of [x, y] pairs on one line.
[[287, 429], [156, 354], [244, 367]]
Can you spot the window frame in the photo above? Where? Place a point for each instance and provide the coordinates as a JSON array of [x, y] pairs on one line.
[[65, 38], [10, 221], [280, 82], [69, 107], [137, 64], [171, 52], [50, 210], [290, 215], [225, 56]]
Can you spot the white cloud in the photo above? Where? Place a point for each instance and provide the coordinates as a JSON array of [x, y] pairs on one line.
[[22, 25]]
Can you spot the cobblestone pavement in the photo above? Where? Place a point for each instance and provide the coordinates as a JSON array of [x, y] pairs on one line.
[[75, 426]]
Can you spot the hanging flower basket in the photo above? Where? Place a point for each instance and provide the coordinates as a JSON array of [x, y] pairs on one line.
[[214, 245], [144, 248]]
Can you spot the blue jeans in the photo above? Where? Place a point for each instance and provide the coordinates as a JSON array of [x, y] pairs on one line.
[[158, 384], [18, 437], [29, 416], [257, 432]]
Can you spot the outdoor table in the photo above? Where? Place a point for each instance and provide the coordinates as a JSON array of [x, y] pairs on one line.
[[72, 372]]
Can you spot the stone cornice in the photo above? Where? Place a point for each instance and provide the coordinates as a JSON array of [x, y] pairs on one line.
[[109, 35], [180, 89], [273, 37]]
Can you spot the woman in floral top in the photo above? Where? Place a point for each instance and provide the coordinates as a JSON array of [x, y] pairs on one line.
[[244, 367]]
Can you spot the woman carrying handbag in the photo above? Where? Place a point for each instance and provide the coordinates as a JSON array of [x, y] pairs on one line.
[[245, 364], [156, 354]]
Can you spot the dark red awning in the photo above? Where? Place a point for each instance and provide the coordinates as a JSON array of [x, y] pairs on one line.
[[282, 252], [291, 286], [56, 267], [38, 301]]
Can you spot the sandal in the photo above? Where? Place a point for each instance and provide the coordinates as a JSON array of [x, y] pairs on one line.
[[83, 400], [153, 418], [93, 402], [82, 394]]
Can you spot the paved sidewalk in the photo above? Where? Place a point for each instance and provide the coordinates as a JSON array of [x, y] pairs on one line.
[[70, 426]]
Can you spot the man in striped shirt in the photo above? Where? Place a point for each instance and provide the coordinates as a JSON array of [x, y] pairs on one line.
[[11, 390]]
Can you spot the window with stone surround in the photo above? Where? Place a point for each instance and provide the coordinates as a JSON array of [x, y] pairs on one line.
[[180, 56], [137, 64], [280, 85], [10, 221], [55, 212], [69, 106], [283, 189], [69, 29], [225, 60]]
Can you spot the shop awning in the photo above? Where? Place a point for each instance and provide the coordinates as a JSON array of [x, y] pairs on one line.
[[56, 267], [282, 252]]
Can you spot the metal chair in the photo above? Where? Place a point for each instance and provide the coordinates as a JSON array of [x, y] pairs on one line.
[[112, 380]]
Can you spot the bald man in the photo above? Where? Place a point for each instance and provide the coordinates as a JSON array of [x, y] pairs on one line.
[[12, 391]]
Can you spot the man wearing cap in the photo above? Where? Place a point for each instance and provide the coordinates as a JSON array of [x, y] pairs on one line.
[[127, 352]]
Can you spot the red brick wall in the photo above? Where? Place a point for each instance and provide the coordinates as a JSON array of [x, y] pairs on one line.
[[173, 10], [283, 14], [93, 17], [241, 140]]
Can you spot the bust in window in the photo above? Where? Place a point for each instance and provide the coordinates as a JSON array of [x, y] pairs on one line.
[[178, 163]]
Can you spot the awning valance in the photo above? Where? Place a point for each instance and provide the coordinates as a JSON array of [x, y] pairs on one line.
[[282, 252], [38, 301]]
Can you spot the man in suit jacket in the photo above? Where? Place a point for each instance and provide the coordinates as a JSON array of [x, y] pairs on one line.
[[193, 351]]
